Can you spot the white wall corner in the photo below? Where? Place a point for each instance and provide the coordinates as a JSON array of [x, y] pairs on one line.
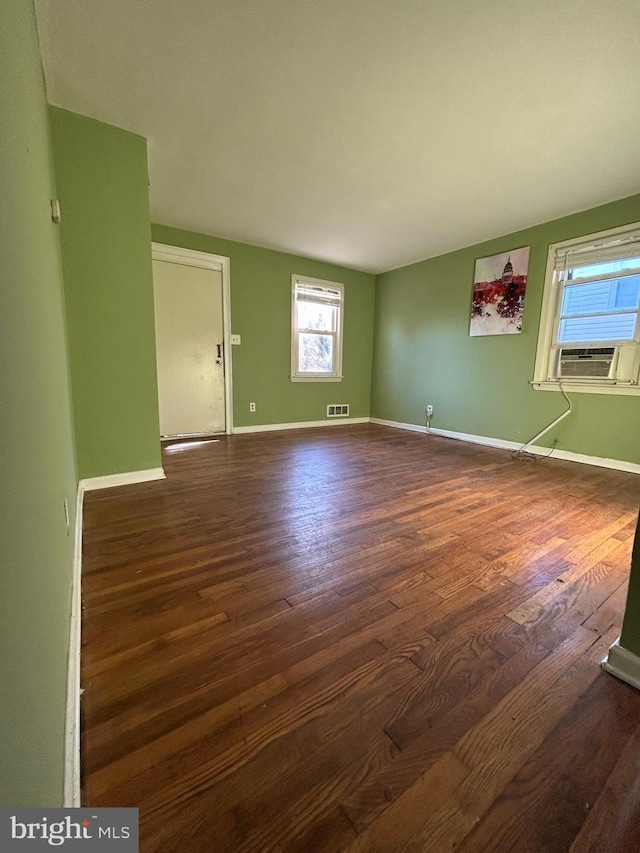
[[624, 664], [127, 478], [71, 780]]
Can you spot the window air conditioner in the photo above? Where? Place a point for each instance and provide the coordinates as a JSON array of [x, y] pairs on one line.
[[587, 363]]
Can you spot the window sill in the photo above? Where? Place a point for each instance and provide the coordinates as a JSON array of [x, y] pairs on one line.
[[316, 378], [587, 387]]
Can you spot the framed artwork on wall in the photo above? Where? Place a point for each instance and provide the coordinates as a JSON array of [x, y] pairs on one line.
[[499, 286]]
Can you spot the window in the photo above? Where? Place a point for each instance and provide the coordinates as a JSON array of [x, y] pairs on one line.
[[316, 330], [589, 334]]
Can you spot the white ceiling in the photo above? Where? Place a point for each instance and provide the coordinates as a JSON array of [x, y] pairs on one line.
[[370, 133]]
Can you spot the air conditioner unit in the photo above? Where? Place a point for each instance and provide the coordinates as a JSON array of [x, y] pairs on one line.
[[587, 363]]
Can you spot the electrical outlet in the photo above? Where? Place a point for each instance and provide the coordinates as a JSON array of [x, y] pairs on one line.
[[429, 411], [252, 407]]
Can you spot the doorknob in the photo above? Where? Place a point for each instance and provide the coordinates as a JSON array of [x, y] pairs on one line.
[[219, 346]]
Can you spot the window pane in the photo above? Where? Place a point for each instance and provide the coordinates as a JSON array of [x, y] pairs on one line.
[[313, 315], [605, 268], [598, 297], [628, 292], [587, 298], [315, 353], [610, 327]]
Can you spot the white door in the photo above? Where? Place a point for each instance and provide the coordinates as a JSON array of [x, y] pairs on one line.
[[189, 349]]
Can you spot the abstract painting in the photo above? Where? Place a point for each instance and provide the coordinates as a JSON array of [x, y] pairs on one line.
[[499, 285]]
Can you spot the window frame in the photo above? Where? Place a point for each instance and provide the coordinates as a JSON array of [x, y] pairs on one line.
[[547, 345], [336, 373]]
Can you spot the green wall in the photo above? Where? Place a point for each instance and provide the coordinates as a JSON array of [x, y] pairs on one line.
[[101, 173], [423, 352], [36, 451], [261, 314]]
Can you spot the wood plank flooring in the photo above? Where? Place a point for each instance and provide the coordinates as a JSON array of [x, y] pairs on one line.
[[361, 639]]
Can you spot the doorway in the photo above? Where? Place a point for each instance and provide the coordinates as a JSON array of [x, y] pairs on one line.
[[193, 351]]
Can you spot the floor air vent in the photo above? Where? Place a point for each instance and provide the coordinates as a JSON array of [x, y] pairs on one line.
[[338, 410]]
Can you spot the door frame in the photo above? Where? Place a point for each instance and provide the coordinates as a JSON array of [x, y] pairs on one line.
[[208, 261]]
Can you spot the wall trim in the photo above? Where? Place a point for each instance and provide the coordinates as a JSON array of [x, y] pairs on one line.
[[399, 425], [503, 444], [71, 796], [127, 478], [332, 422], [71, 779], [623, 664]]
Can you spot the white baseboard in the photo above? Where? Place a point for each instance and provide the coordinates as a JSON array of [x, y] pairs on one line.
[[71, 771], [623, 664], [299, 425], [503, 444], [71, 789], [127, 478], [399, 425]]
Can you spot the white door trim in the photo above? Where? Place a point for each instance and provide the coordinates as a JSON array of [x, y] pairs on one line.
[[205, 260]]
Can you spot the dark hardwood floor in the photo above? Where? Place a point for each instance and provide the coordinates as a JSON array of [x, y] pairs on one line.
[[357, 638]]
